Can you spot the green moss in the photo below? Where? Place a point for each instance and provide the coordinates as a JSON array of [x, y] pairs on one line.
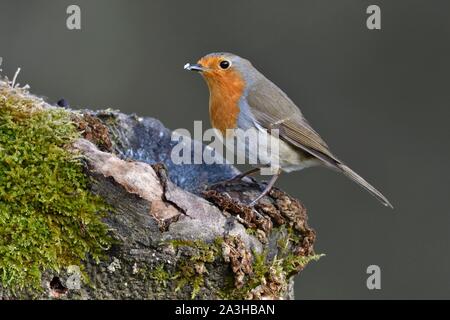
[[261, 269], [293, 238], [188, 275], [160, 276], [48, 218], [293, 263], [279, 268], [191, 271]]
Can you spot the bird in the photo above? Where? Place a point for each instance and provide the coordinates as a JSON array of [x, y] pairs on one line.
[[241, 97]]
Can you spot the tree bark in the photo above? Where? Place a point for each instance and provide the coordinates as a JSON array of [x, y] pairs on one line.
[[177, 236]]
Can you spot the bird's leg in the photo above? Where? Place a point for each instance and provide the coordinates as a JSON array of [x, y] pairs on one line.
[[267, 188], [242, 175], [236, 178]]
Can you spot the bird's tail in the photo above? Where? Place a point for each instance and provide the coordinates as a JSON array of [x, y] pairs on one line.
[[363, 183]]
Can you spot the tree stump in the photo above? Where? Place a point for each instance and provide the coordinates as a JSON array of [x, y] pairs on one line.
[[175, 234]]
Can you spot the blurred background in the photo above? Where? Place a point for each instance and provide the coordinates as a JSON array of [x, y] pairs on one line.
[[380, 98]]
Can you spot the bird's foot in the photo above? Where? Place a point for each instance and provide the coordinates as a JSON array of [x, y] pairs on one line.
[[266, 189], [255, 201], [236, 179]]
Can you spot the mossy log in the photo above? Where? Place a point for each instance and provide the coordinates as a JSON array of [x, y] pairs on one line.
[[174, 234]]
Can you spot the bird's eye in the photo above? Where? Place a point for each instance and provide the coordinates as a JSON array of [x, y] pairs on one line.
[[224, 64]]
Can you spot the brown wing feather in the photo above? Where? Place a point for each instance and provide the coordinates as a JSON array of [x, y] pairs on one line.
[[273, 109]]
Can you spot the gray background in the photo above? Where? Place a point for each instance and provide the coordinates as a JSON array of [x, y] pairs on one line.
[[380, 99]]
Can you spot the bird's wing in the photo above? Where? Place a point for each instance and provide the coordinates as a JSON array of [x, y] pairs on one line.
[[272, 109]]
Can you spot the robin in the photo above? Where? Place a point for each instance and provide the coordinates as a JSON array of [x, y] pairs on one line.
[[243, 98]]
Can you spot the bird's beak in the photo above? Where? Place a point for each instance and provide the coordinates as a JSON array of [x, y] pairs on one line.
[[194, 67]]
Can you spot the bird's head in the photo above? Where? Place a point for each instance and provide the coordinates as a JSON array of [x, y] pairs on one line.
[[223, 71]]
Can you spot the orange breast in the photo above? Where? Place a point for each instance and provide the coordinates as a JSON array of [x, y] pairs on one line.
[[225, 92]]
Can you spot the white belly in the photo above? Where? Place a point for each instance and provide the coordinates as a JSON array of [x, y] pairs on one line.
[[258, 148]]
